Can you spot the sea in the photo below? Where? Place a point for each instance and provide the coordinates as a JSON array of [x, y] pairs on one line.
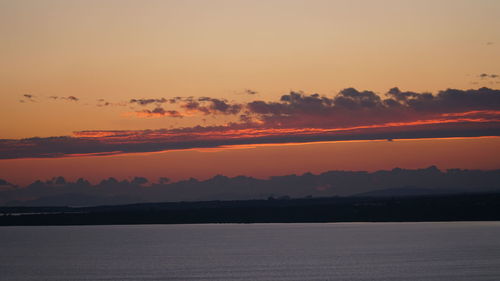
[[296, 251]]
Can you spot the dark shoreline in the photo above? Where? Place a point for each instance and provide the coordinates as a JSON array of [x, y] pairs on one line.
[[460, 207]]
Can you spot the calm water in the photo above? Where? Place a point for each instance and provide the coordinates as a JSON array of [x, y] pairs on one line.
[[344, 251]]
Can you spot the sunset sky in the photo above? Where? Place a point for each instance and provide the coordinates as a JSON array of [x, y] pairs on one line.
[[185, 89]]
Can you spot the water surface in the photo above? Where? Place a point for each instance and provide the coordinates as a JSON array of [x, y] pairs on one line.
[[313, 251]]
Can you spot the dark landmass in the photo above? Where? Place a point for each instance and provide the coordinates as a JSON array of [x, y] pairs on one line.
[[408, 191], [396, 182], [457, 207]]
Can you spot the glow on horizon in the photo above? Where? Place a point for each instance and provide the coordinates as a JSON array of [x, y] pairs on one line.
[[263, 161]]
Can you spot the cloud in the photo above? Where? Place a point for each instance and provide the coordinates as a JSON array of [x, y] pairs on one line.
[[222, 106], [163, 180], [27, 97], [31, 97], [486, 75], [250, 92], [71, 98], [219, 187], [144, 102], [188, 105], [105, 103], [158, 112], [207, 106], [490, 78], [102, 102], [351, 107], [4, 182], [296, 117], [139, 180]]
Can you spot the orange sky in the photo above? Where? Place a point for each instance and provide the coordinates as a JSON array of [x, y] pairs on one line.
[[265, 160], [119, 50], [114, 51]]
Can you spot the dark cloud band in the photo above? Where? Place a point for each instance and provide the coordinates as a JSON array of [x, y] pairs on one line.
[[296, 117]]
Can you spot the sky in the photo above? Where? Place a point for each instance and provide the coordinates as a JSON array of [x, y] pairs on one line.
[[197, 88]]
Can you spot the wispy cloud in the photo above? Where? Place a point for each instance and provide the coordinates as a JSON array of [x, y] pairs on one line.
[[486, 76], [31, 97], [250, 92], [148, 101], [70, 98], [27, 98]]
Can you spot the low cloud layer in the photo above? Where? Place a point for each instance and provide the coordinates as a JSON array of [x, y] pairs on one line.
[[296, 117], [401, 182]]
